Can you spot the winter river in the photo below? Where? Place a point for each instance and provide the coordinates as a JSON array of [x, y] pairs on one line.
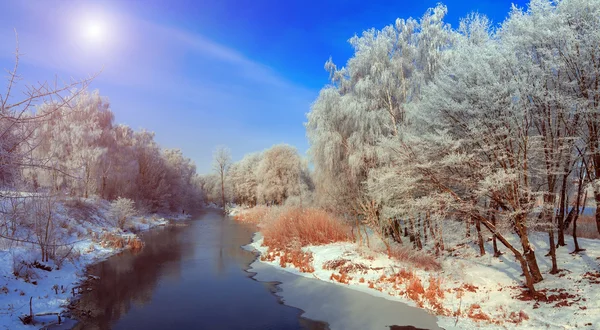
[[193, 275]]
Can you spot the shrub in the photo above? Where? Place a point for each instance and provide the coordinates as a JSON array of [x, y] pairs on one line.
[[253, 215], [414, 288], [417, 258], [135, 244], [121, 210], [345, 266], [295, 226], [475, 313], [298, 258], [114, 241]]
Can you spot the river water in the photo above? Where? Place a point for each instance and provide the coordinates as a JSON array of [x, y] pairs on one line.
[[193, 275]]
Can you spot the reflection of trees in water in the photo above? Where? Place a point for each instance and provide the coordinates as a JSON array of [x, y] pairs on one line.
[[236, 235], [231, 236], [130, 279]]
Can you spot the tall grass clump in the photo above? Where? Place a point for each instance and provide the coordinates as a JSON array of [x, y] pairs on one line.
[[253, 215], [298, 226], [416, 258], [586, 227]]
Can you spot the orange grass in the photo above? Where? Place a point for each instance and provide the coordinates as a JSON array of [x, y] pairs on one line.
[[135, 244], [414, 257], [345, 266], [414, 288], [586, 227], [253, 215], [476, 314], [293, 226], [342, 278], [114, 241], [298, 258]]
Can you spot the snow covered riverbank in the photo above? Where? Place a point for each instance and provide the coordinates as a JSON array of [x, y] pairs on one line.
[[88, 236], [470, 291]]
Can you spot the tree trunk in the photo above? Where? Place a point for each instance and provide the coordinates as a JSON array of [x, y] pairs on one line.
[[440, 235], [577, 249], [468, 229], [554, 269], [562, 211], [222, 190], [479, 237], [597, 198], [396, 230], [426, 224], [412, 232], [530, 279], [418, 233], [531, 260], [497, 252], [528, 253], [436, 243], [576, 215]]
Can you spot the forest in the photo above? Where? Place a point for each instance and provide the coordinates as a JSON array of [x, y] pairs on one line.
[[445, 164], [433, 138]]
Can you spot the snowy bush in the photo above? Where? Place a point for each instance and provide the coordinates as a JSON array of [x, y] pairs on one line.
[[121, 210]]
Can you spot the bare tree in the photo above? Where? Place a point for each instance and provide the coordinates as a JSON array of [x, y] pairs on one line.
[[19, 120], [221, 163]]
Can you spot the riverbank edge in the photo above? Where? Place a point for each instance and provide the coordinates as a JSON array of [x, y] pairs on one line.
[[51, 288], [163, 221], [530, 315], [275, 287], [256, 247]]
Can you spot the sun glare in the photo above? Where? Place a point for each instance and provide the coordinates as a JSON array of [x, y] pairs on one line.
[[94, 31]]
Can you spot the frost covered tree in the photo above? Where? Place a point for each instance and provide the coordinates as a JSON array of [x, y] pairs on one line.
[[221, 164], [366, 103], [486, 132], [243, 179], [281, 173], [121, 210], [19, 120], [70, 141], [211, 188], [498, 129], [180, 175], [79, 150]]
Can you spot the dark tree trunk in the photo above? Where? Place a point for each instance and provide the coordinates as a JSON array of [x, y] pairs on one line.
[[554, 269], [426, 224], [497, 252], [597, 198], [223, 190], [530, 278], [561, 214], [436, 243], [418, 233], [396, 231], [440, 235], [576, 214], [468, 229], [528, 253], [479, 237]]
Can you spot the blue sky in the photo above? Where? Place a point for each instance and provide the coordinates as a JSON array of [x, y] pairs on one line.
[[204, 73]]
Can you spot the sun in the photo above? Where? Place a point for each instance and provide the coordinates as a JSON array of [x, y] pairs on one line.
[[94, 31]]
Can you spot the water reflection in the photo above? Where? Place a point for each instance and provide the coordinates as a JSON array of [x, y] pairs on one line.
[[129, 279], [190, 276]]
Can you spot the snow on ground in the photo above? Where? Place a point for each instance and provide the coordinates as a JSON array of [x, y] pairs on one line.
[[339, 307], [482, 287], [83, 225]]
